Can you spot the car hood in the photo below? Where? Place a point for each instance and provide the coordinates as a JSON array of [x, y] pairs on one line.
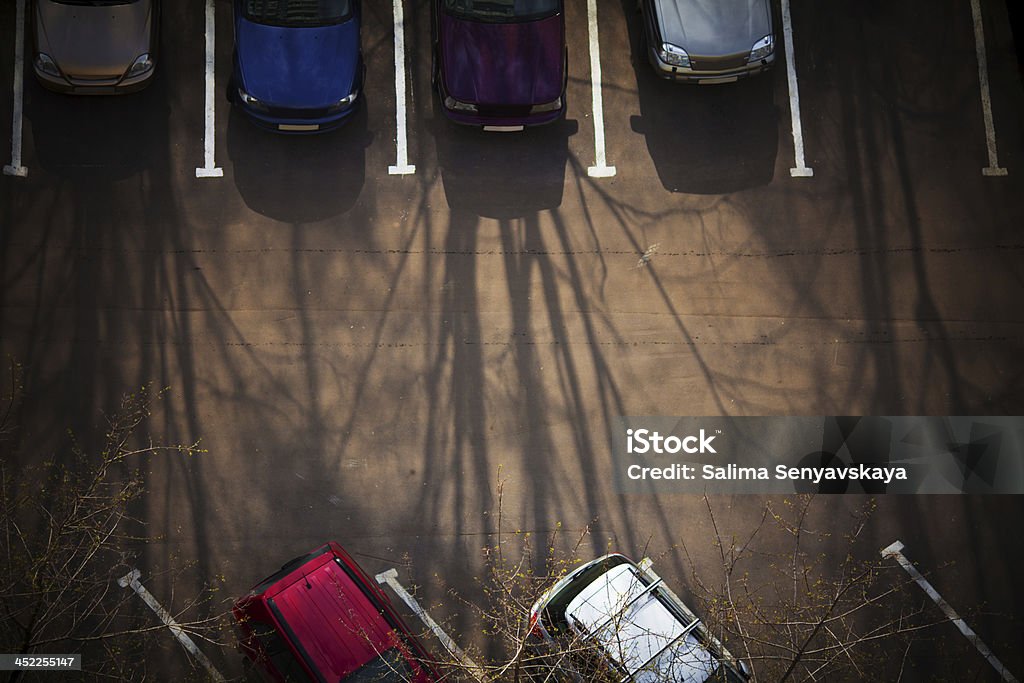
[[298, 67], [503, 63], [713, 27], [90, 41]]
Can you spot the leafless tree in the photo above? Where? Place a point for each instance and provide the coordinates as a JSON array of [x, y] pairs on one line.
[[803, 604], [787, 605], [516, 572], [67, 535]]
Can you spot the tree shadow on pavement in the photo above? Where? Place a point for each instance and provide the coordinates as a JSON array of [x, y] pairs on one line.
[[299, 178]]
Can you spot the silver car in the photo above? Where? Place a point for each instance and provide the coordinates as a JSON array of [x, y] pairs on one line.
[[708, 41], [616, 619], [95, 47]]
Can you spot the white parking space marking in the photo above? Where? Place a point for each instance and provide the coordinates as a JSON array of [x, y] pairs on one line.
[[15, 168], [993, 168], [600, 169], [390, 577], [801, 170], [131, 579], [895, 551], [402, 165], [209, 168]]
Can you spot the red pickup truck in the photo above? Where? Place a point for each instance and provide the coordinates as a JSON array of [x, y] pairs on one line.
[[321, 618]]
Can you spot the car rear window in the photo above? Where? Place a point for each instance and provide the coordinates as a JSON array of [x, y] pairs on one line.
[[288, 567], [503, 10], [297, 12]]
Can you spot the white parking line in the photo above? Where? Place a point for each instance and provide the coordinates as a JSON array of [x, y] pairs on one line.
[[993, 168], [15, 168], [801, 170], [390, 577], [600, 169], [209, 169], [894, 551], [131, 579], [402, 166]]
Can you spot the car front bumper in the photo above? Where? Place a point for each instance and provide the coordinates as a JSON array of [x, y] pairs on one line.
[[500, 118], [686, 74], [503, 122], [107, 86], [296, 124]]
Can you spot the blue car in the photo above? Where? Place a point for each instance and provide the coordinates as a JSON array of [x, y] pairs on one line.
[[298, 67]]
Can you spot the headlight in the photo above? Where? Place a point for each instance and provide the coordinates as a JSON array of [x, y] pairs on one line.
[[761, 49], [250, 101], [453, 104], [674, 55], [344, 102], [547, 106], [45, 63], [142, 64]]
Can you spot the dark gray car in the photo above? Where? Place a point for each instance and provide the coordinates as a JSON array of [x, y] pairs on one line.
[[93, 47], [708, 41]]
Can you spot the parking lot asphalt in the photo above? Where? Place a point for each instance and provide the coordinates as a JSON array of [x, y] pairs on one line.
[[365, 356]]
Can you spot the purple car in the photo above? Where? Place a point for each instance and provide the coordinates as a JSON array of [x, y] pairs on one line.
[[500, 64]]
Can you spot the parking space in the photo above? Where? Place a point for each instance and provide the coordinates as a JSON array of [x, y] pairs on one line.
[[687, 139], [99, 139], [363, 339], [915, 92], [896, 88]]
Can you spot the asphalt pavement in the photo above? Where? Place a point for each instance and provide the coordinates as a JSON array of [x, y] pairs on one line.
[[365, 356]]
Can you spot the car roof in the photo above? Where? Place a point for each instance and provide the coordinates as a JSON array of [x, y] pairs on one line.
[[634, 623], [329, 616]]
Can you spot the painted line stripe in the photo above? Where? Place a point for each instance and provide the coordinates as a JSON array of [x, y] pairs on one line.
[[209, 169], [390, 577], [801, 170], [402, 165], [894, 551], [131, 579], [600, 169], [15, 168], [993, 168]]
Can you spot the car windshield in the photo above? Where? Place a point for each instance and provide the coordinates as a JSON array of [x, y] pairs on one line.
[[389, 667], [275, 649], [554, 611], [297, 12], [503, 10]]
